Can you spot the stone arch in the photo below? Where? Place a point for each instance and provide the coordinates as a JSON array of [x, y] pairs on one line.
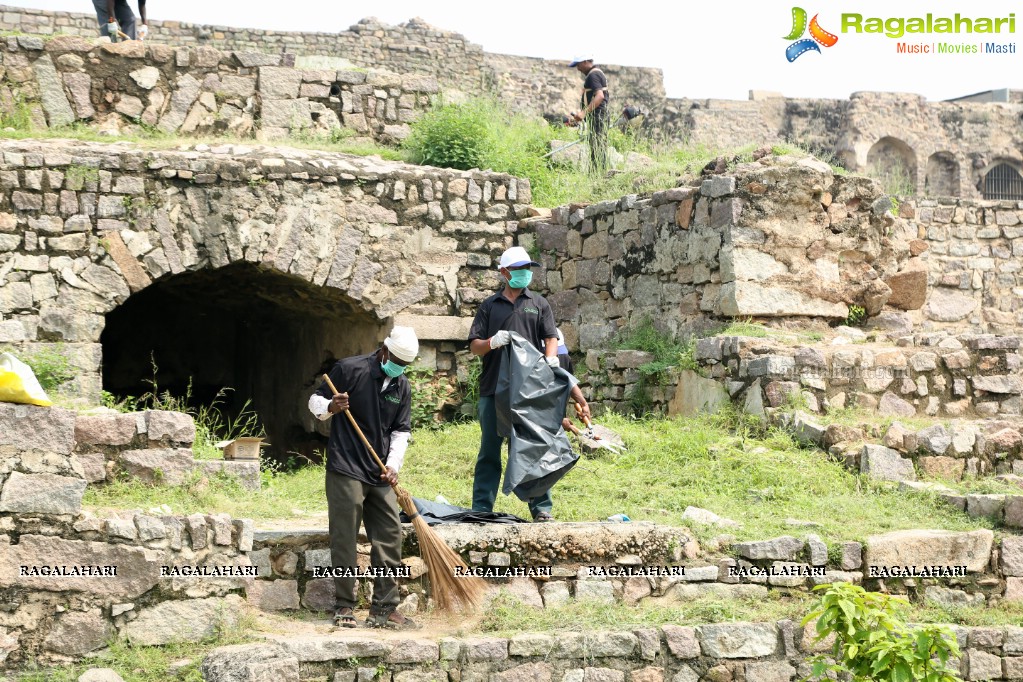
[[257, 335], [942, 179], [1002, 181], [893, 163]]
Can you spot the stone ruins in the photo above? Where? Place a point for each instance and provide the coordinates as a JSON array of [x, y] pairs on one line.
[[207, 259]]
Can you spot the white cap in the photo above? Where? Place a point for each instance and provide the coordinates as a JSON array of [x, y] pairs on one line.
[[403, 344], [579, 60], [516, 256]]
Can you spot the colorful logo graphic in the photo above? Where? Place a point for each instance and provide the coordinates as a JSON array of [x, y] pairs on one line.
[[818, 35]]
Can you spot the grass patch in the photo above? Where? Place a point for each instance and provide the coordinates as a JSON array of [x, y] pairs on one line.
[[716, 462], [506, 615]]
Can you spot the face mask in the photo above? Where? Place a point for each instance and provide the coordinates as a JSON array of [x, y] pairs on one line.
[[520, 279], [392, 369]]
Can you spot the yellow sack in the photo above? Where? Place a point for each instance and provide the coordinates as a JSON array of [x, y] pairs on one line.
[[18, 384]]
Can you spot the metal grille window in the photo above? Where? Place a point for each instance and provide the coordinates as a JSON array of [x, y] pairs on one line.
[[1003, 182]]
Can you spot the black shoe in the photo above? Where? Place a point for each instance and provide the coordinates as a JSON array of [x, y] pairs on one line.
[[543, 517]]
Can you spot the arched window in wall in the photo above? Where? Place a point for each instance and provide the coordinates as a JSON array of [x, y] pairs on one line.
[[893, 162], [1003, 182], [942, 178]]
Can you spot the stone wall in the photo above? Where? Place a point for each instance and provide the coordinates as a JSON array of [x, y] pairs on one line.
[[973, 262], [327, 248], [134, 87], [413, 47], [777, 238], [55, 618], [756, 652], [154, 446]]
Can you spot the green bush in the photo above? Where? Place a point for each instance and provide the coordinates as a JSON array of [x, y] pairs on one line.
[[429, 393], [873, 642], [453, 136], [49, 364]]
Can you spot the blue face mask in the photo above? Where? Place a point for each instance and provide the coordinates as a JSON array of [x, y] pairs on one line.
[[392, 369], [520, 279]]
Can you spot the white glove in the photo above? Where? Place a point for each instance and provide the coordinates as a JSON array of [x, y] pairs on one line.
[[552, 361], [142, 31], [501, 338], [112, 29]]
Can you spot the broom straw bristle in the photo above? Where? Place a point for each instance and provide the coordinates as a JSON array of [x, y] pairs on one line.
[[450, 592]]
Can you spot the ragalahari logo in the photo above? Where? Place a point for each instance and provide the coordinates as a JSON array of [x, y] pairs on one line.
[[818, 35]]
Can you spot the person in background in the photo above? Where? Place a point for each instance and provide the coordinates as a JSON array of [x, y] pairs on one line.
[[594, 111], [515, 308], [357, 491], [114, 15]]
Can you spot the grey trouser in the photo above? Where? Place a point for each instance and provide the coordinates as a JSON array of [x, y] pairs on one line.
[[347, 499], [125, 18]]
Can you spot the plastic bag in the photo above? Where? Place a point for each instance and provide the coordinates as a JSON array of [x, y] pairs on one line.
[[18, 384], [530, 401]]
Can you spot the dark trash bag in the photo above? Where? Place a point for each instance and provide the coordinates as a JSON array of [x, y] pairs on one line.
[[438, 512], [530, 401]]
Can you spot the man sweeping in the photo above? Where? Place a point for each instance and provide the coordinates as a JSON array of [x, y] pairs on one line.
[[380, 399]]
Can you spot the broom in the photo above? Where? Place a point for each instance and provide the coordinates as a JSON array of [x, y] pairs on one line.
[[449, 592]]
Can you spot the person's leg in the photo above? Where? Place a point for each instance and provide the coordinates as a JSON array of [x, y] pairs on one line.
[[599, 151], [344, 514], [544, 503], [125, 18], [487, 477], [384, 530], [101, 16]]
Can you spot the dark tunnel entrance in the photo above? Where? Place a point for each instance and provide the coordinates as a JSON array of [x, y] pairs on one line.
[[265, 335]]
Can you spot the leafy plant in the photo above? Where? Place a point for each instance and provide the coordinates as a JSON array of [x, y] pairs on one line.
[[452, 136], [857, 316], [873, 642], [429, 393], [48, 362], [669, 354]]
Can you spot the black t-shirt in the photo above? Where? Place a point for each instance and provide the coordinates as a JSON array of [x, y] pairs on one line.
[[378, 414], [530, 315], [595, 80]]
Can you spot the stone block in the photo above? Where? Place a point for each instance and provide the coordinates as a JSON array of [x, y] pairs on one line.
[[175, 427], [104, 429], [881, 463], [1012, 556], [682, 641], [273, 595], [931, 548], [42, 494], [161, 466], [784, 548], [27, 427], [76, 633], [739, 640]]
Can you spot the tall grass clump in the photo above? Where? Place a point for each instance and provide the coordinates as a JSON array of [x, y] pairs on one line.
[[453, 135]]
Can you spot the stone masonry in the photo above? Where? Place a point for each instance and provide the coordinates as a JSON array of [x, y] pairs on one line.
[[130, 87], [943, 148]]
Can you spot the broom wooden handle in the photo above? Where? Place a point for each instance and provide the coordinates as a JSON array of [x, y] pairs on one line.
[[356, 427]]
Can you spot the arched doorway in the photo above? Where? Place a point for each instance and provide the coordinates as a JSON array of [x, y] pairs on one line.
[[893, 163], [942, 179], [261, 333]]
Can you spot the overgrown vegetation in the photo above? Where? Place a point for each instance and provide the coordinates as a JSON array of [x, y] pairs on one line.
[[669, 355], [213, 422], [49, 363], [874, 643], [429, 393]]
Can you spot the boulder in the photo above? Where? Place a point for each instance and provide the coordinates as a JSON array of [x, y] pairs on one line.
[[892, 405], [885, 464], [27, 427], [164, 425], [909, 289], [949, 305], [696, 394], [784, 548], [190, 620], [931, 548], [162, 466], [104, 429], [42, 494], [76, 633], [260, 662]]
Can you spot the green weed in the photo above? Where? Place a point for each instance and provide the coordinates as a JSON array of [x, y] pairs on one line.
[[49, 363]]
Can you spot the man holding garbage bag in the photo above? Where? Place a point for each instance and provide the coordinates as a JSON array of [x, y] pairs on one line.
[[515, 308]]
